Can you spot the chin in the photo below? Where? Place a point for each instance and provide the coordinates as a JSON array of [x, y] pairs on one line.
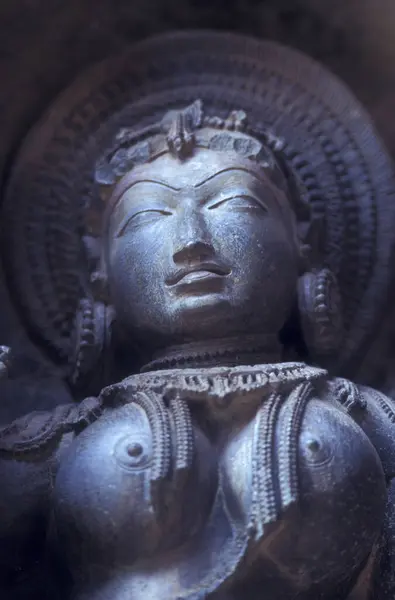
[[202, 302], [196, 312]]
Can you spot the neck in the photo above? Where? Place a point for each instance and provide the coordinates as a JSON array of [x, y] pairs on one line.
[[225, 352]]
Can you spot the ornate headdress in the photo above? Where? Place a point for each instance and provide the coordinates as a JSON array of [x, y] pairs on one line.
[[300, 114], [182, 131], [179, 132]]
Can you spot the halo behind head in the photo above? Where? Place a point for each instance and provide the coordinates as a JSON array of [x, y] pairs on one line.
[[315, 127]]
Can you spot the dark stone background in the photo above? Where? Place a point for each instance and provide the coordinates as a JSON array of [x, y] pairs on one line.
[[44, 44]]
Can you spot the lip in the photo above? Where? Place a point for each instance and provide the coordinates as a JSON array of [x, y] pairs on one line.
[[198, 276], [199, 272]]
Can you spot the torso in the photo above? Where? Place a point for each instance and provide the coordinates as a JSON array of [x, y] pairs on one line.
[[297, 475]]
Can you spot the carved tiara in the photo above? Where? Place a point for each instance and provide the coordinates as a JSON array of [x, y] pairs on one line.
[[179, 132]]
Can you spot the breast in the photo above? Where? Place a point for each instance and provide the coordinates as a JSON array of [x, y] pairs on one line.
[[113, 503], [327, 499]]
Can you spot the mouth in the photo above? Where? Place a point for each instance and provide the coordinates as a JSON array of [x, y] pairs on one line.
[[201, 272]]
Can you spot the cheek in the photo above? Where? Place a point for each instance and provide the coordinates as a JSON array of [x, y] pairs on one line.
[[277, 258], [132, 271], [258, 249]]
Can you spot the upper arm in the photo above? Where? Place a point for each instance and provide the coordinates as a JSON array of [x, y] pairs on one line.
[[377, 420]]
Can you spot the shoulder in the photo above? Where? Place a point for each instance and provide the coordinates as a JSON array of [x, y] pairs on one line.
[[374, 412]]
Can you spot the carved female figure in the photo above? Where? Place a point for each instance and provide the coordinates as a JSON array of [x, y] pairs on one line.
[[227, 465]]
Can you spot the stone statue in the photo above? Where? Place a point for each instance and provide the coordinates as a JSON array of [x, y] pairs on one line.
[[206, 274]]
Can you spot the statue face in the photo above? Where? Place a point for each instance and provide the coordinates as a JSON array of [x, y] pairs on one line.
[[200, 249]]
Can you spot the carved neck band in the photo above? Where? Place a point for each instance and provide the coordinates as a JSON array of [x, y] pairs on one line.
[[228, 352]]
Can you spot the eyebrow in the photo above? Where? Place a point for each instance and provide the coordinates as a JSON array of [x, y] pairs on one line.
[[200, 183], [154, 181], [227, 170]]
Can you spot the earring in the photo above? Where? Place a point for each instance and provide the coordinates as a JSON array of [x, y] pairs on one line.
[[93, 326], [320, 312]]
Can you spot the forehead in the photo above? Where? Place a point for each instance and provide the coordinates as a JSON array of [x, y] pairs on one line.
[[204, 168], [207, 170], [191, 172]]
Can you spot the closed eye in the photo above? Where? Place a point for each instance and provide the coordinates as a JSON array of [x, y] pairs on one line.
[[240, 202], [143, 217]]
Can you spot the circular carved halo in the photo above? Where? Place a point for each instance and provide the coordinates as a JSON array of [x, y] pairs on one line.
[[52, 201]]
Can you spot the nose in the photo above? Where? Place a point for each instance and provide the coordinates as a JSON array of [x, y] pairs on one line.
[[193, 241]]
